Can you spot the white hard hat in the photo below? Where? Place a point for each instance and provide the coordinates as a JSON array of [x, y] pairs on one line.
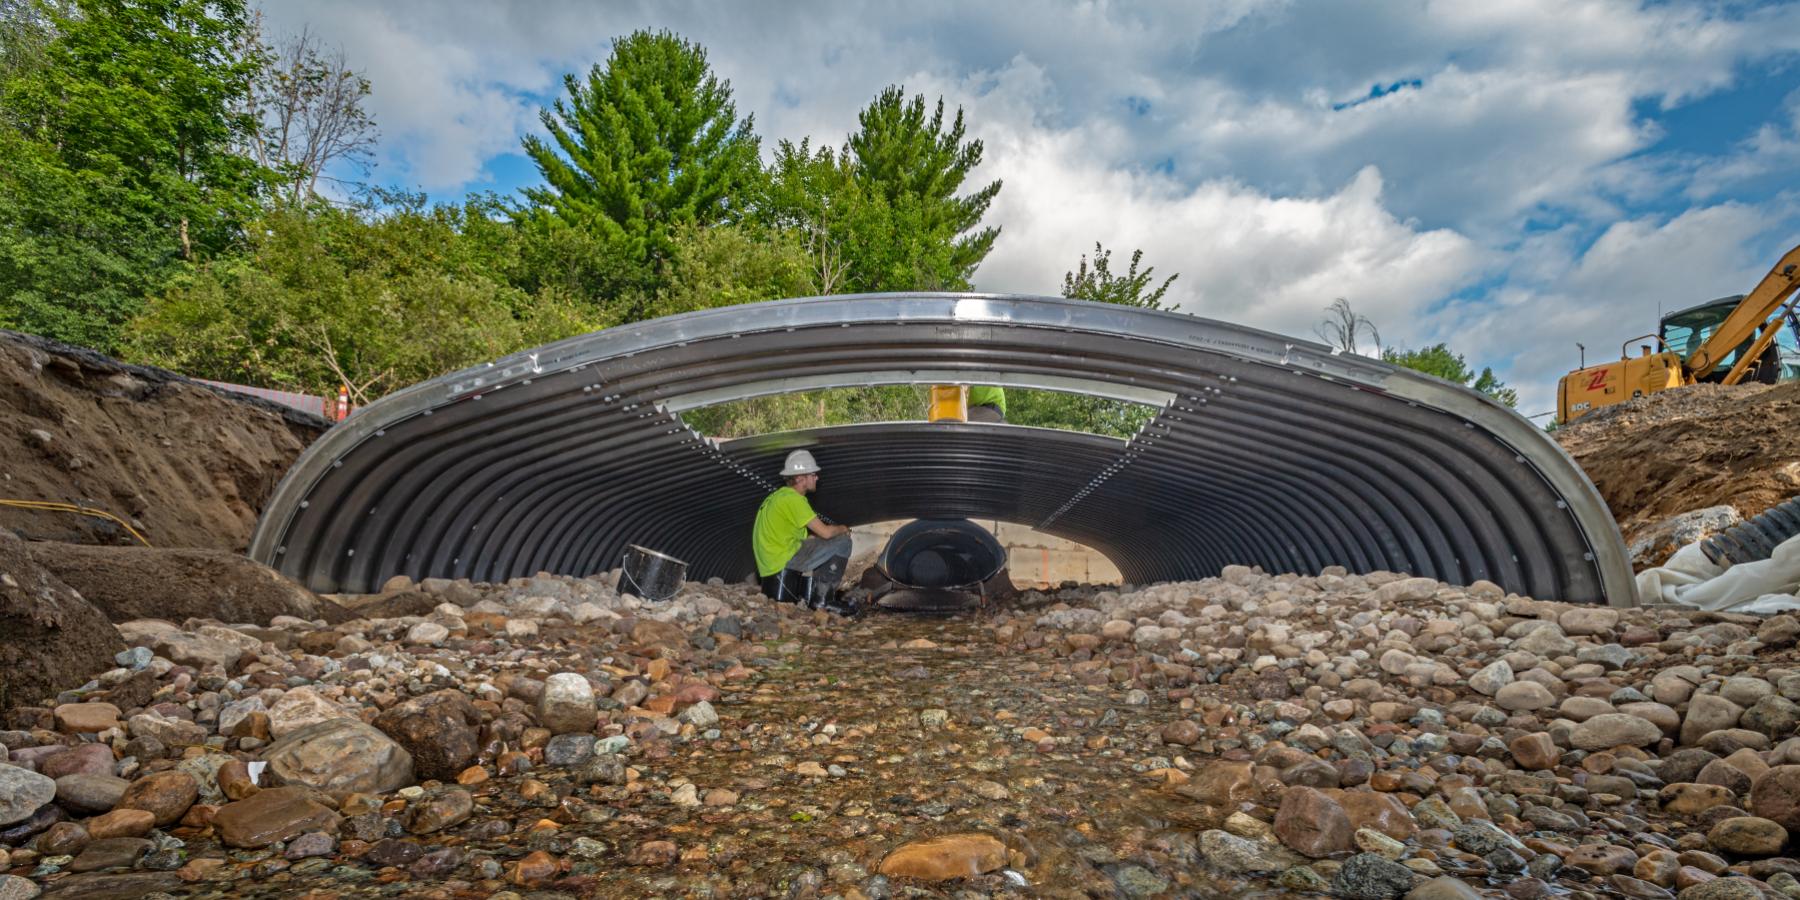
[[799, 462]]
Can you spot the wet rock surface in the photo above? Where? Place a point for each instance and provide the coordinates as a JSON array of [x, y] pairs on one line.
[[1250, 735]]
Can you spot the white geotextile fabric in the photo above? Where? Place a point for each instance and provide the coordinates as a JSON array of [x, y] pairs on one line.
[[1690, 579]]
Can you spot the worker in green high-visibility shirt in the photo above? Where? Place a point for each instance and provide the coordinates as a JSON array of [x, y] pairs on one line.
[[987, 403], [800, 556]]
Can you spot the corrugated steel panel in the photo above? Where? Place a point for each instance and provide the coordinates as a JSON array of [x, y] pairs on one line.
[[1272, 451]]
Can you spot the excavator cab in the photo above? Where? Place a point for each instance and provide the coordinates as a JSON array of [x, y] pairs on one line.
[[1686, 330]]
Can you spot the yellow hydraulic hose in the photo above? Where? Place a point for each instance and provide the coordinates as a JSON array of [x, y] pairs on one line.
[[82, 510]]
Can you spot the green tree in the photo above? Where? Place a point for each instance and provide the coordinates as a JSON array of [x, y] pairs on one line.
[[25, 32], [1438, 360], [917, 166], [649, 141], [118, 162], [815, 196], [883, 213], [1095, 281], [727, 265], [810, 409], [374, 301], [734, 264]]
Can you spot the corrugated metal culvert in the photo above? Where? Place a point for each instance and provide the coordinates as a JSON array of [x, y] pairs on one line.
[[1267, 451]]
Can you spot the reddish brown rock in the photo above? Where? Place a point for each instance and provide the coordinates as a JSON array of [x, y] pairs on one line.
[[63, 838], [87, 759], [271, 815], [534, 870], [86, 718], [1221, 784], [1182, 731], [1311, 823], [695, 691], [1381, 812], [166, 795], [943, 858], [1535, 751], [438, 729], [121, 823], [234, 780], [654, 853]]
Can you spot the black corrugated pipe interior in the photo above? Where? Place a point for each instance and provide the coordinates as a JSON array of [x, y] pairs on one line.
[[1266, 451], [941, 554]]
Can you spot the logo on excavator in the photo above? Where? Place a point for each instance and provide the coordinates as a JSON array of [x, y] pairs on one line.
[[1598, 382]]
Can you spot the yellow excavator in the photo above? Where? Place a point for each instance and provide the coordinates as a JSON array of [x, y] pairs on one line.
[[1755, 336]]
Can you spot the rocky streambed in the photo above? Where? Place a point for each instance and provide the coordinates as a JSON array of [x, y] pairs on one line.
[[1251, 735]]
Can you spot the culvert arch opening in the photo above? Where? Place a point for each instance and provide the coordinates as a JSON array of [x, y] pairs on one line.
[[1269, 451]]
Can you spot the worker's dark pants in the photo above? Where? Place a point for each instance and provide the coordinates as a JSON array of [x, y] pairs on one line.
[[986, 412], [822, 558], [816, 551]]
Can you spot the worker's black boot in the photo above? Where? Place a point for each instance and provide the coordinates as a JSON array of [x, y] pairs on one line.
[[825, 589], [786, 586], [825, 596]]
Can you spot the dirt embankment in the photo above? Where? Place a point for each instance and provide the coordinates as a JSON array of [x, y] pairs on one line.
[[188, 465], [1692, 448]]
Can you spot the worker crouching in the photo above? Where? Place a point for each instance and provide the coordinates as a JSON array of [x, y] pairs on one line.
[[800, 557]]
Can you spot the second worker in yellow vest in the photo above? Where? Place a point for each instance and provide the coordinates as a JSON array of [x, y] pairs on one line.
[[987, 403]]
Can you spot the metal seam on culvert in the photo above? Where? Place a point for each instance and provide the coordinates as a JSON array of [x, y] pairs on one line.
[[1273, 451]]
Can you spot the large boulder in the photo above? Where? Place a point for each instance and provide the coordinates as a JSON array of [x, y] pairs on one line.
[[339, 757], [51, 639], [438, 729], [156, 583]]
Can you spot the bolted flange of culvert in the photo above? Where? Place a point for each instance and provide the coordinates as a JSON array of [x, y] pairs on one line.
[[1264, 450]]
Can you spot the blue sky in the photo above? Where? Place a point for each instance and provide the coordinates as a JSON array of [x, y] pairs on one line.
[[1510, 177]]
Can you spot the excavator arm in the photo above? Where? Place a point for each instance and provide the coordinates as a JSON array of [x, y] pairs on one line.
[[1757, 311]]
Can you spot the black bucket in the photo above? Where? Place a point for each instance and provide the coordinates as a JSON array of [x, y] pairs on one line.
[[649, 574]]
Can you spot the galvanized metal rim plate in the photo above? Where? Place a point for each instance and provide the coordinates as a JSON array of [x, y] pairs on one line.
[[1269, 450]]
